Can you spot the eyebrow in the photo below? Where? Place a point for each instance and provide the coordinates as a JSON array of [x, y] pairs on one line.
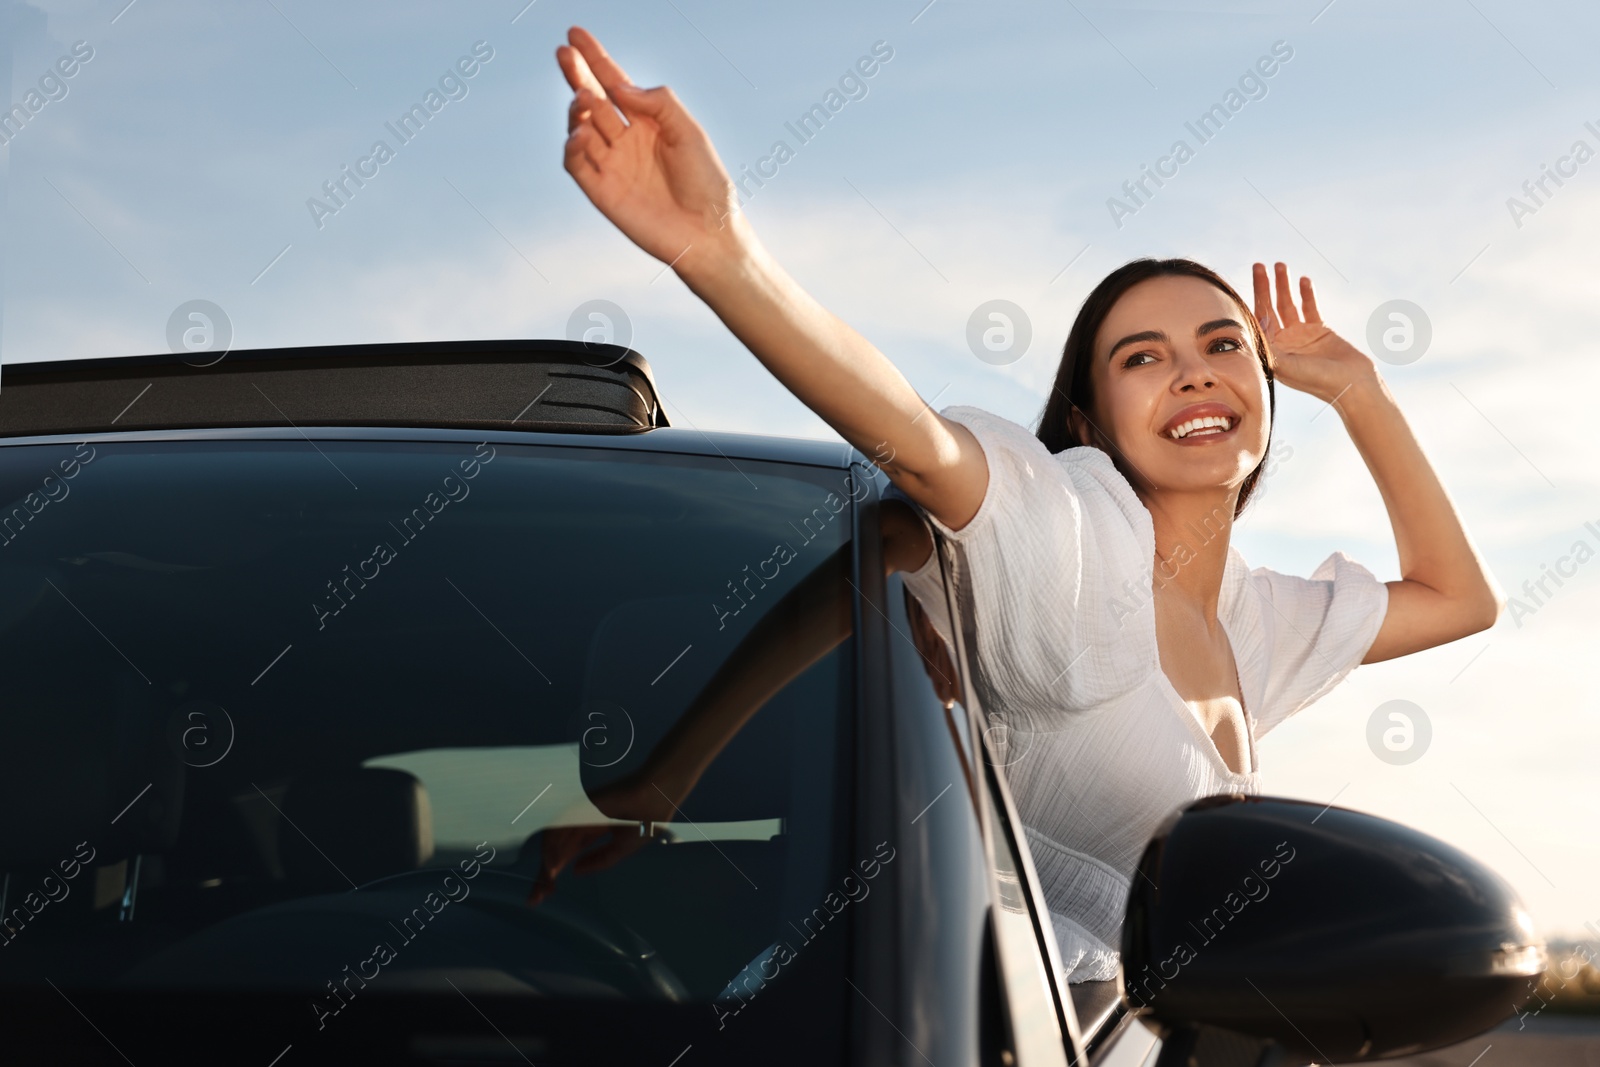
[[1158, 335]]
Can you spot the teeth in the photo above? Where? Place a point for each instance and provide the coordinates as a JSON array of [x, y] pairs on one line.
[[1185, 429]]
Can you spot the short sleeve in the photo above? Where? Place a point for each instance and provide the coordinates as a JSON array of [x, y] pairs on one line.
[[1044, 644], [927, 585], [1317, 630]]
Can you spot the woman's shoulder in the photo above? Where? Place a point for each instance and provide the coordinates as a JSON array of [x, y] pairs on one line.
[[1055, 565], [1338, 570], [985, 423], [1258, 599], [1297, 637], [1070, 512], [1089, 470]]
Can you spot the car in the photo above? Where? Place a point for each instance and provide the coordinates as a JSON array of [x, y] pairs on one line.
[[313, 657]]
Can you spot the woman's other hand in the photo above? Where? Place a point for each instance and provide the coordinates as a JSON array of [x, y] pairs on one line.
[[1306, 354], [642, 159], [1445, 591], [629, 797]]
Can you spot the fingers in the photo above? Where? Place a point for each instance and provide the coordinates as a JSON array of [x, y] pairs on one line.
[[660, 105], [599, 61], [557, 850], [1263, 293], [1309, 300], [577, 71], [592, 74], [559, 847], [607, 122], [578, 110], [624, 843], [583, 152], [589, 101], [1286, 309], [593, 69], [589, 97]]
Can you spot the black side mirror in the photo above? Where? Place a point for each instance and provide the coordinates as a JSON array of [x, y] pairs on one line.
[[1267, 931]]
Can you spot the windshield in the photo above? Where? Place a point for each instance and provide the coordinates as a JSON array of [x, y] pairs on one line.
[[301, 717]]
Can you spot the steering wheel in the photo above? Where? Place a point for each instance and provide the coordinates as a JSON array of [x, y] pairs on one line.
[[609, 942]]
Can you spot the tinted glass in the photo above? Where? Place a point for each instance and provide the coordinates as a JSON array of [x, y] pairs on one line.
[[287, 716]]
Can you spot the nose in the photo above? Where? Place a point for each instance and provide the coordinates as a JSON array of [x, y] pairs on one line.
[[1194, 372]]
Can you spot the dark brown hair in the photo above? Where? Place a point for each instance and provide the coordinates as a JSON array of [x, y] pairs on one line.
[[1073, 384]]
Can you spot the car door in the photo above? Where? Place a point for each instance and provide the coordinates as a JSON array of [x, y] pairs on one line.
[[1091, 1021], [1037, 1022]]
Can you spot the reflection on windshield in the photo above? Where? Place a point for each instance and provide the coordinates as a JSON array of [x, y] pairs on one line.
[[268, 745]]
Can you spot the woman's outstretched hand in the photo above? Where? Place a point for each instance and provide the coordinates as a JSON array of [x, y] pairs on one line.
[[1307, 354], [642, 159]]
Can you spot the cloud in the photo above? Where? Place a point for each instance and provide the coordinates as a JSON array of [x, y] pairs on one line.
[[1379, 164]]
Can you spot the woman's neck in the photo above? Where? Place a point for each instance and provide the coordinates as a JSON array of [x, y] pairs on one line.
[[1192, 533]]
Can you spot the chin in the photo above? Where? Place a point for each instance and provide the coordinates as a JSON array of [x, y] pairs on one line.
[[1211, 473]]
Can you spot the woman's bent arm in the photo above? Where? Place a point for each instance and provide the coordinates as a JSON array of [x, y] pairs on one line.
[[643, 160], [1445, 592]]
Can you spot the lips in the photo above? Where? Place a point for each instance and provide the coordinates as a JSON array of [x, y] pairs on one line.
[[1199, 422]]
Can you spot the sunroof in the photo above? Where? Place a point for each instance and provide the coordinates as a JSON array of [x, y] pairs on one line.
[[545, 385]]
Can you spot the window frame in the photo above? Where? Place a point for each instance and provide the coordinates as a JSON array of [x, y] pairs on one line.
[[1002, 821]]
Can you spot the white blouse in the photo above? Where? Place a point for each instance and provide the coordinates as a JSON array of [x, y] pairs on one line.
[[1056, 571]]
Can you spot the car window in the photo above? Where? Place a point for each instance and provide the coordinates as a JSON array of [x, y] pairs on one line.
[[245, 677], [942, 950], [1020, 929], [1022, 938], [469, 788]]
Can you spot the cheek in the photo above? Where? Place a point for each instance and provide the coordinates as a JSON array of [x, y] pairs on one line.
[[1249, 383], [1263, 400], [1253, 388], [1129, 402]]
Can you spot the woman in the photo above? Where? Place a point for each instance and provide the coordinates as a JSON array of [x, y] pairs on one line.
[[1118, 634]]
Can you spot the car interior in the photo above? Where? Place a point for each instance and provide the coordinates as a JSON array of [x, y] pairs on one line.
[[386, 782]]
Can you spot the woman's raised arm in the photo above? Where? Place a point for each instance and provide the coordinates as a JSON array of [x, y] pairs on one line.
[[1445, 591], [644, 161]]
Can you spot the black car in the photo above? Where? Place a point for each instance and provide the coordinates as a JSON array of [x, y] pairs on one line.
[[312, 658]]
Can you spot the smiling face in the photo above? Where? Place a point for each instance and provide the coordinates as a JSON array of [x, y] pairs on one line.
[[1178, 388]]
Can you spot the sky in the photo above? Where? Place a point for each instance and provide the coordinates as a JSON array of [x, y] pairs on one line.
[[1385, 156]]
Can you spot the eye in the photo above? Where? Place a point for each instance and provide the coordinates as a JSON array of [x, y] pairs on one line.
[[1233, 345], [1129, 362]]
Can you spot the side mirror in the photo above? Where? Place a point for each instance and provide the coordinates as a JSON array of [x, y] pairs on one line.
[[1268, 931]]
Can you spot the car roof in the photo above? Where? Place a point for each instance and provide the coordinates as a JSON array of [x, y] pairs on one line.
[[570, 393], [804, 451]]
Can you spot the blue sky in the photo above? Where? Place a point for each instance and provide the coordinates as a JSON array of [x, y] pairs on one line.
[[977, 166]]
